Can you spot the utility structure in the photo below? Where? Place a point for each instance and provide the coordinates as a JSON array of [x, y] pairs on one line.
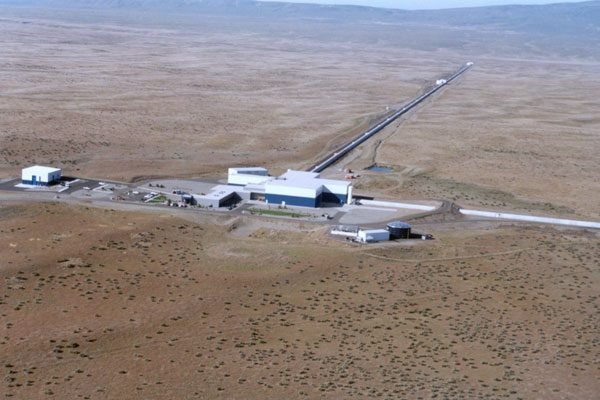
[[39, 175], [363, 137]]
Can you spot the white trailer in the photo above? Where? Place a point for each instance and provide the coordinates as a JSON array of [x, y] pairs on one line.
[[373, 235]]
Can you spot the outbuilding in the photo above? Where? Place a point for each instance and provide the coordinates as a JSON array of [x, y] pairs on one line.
[[399, 230], [39, 175], [219, 196], [373, 235]]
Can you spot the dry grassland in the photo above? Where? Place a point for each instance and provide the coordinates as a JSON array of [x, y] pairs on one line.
[[126, 101], [118, 102], [98, 304], [518, 135]]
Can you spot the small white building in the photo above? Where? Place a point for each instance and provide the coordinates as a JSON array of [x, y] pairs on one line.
[[373, 235], [40, 176], [348, 231], [247, 176], [219, 196]]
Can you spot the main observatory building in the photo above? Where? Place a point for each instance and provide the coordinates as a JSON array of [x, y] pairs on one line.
[[294, 188]]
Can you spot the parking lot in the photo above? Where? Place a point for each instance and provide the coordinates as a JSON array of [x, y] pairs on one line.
[[178, 186]]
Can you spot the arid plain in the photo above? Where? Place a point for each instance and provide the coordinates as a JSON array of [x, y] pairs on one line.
[[102, 304]]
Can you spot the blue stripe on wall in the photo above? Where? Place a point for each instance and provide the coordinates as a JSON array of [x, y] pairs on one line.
[[37, 183], [293, 201]]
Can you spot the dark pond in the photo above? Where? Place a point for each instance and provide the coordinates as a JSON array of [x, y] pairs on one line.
[[378, 168]]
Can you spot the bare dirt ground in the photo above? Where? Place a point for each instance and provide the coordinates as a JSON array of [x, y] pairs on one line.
[[124, 101], [99, 304], [121, 103], [519, 135], [103, 304]]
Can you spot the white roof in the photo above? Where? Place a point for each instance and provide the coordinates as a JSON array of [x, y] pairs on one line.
[[255, 187], [219, 192], [41, 169], [249, 169], [298, 179], [307, 180], [372, 231], [332, 182]]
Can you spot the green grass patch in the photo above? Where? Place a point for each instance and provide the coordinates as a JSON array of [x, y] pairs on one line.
[[278, 213], [158, 199]]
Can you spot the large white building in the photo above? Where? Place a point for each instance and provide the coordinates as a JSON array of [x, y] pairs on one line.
[[40, 176], [247, 176], [307, 189], [294, 188]]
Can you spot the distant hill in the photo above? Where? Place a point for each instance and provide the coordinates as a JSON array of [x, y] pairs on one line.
[[573, 19], [561, 18]]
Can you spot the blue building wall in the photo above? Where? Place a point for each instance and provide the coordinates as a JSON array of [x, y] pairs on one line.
[[294, 201], [334, 198], [37, 183]]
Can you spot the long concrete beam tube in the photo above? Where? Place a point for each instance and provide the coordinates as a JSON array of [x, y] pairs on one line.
[[531, 218], [363, 137]]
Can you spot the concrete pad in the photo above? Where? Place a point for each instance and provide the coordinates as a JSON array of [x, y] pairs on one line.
[[421, 206], [35, 188], [186, 185], [332, 212], [359, 216]]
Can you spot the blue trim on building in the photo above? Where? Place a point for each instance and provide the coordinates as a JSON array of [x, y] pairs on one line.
[[37, 183], [329, 197], [293, 201]]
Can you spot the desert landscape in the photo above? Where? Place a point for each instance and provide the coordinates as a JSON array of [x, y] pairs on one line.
[[106, 303], [504, 155], [101, 304]]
